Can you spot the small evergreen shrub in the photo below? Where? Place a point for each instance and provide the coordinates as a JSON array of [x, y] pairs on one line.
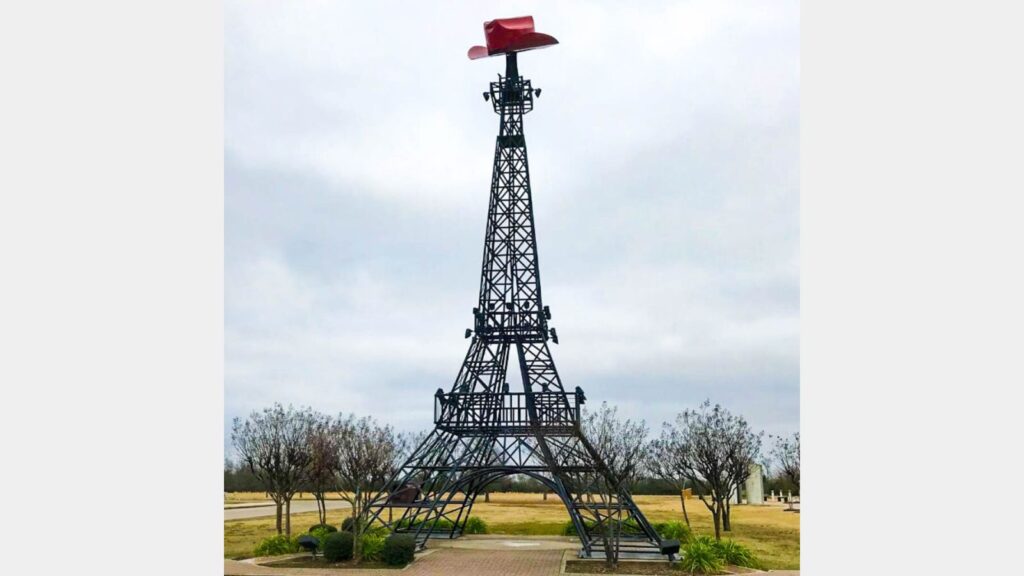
[[373, 547], [275, 546], [700, 557], [378, 531], [735, 554], [570, 529], [320, 532], [442, 525], [346, 524], [705, 540], [476, 525], [337, 546], [399, 549], [673, 531]]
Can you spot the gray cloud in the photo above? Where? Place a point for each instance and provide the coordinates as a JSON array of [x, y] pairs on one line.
[[664, 154]]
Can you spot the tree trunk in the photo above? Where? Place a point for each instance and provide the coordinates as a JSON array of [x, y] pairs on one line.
[[717, 512], [616, 534], [545, 494], [487, 496], [357, 531], [288, 517], [323, 508], [726, 522], [726, 507], [608, 534], [682, 501], [278, 503]]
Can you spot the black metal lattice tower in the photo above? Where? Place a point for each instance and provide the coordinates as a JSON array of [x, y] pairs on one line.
[[483, 431]]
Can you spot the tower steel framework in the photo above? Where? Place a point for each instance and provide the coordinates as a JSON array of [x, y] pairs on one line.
[[483, 431]]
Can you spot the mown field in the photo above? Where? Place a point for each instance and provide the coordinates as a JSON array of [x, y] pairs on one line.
[[770, 532]]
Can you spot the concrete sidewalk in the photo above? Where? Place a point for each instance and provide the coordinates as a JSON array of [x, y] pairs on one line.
[[441, 562], [259, 509], [507, 542], [479, 556]]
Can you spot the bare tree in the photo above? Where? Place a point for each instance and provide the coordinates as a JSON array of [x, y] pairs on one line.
[[786, 451], [367, 456], [743, 449], [407, 443], [707, 441], [620, 445], [323, 445], [272, 445], [663, 463]]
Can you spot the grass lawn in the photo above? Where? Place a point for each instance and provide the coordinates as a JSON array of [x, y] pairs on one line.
[[772, 534], [242, 536]]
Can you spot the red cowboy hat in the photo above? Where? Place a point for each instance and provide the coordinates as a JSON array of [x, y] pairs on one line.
[[506, 35]]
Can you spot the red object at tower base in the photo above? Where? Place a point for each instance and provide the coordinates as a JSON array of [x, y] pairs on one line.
[[506, 35]]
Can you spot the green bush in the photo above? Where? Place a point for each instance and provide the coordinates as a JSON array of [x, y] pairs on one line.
[[399, 549], [373, 547], [735, 554], [381, 531], [275, 546], [570, 529], [700, 557], [476, 525], [704, 539], [673, 531], [320, 532], [631, 525], [325, 527], [443, 525], [338, 546], [378, 531]]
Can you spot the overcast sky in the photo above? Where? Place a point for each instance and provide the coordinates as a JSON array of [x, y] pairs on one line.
[[664, 156]]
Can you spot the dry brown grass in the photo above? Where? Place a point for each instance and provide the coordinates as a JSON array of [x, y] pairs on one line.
[[770, 532], [245, 497], [242, 536]]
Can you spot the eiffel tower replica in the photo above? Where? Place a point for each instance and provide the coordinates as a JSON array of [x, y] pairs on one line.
[[483, 431]]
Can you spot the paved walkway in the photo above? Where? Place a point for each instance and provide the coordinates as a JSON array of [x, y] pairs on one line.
[[442, 562], [506, 542], [260, 509], [479, 555]]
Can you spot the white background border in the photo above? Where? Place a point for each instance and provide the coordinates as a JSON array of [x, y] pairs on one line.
[[111, 235], [111, 311]]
